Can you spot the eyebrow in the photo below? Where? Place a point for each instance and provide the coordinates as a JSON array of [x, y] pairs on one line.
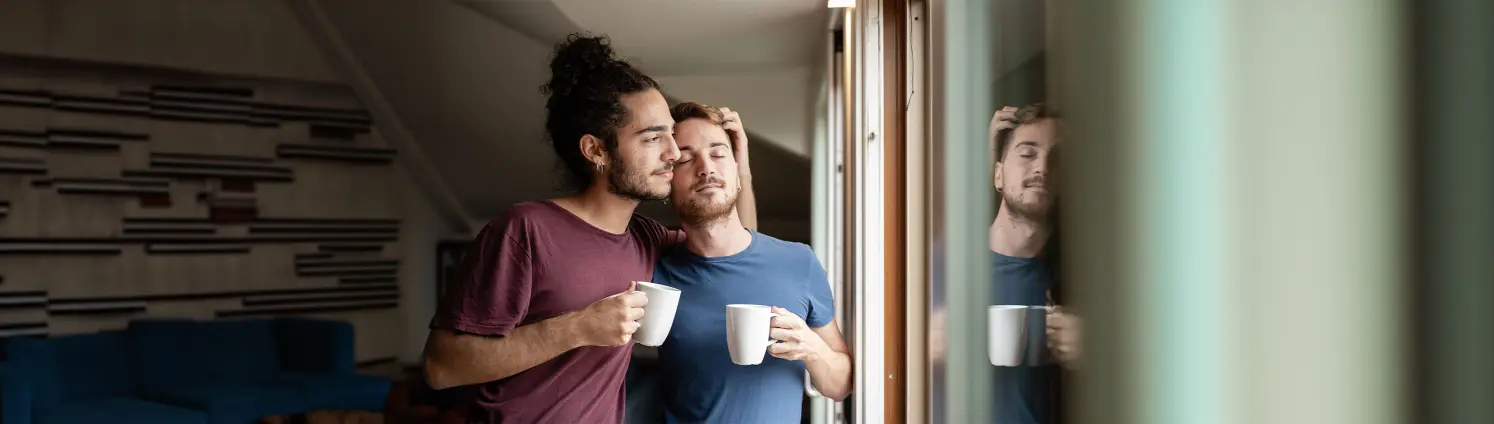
[[1026, 143], [713, 144], [655, 128]]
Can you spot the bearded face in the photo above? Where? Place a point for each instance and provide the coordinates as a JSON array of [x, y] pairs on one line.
[[706, 183]]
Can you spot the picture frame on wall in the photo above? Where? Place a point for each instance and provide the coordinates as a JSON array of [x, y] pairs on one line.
[[449, 255]]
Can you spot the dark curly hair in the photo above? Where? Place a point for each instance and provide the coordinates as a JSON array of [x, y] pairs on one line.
[[587, 82]]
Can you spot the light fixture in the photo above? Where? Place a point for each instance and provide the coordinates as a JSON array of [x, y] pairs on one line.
[[836, 4]]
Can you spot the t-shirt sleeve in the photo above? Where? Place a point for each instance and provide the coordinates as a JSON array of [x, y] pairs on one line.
[[821, 301], [490, 295]]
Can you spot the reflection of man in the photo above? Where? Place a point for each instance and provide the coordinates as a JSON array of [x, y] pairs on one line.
[[542, 316], [722, 263], [1025, 146]]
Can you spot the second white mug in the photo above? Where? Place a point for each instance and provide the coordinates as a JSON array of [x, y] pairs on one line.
[[747, 328]]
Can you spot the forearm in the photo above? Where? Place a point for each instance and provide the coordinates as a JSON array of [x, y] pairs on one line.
[[457, 359], [747, 203], [830, 373]]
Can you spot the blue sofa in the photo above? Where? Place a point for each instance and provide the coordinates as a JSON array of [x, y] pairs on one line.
[[187, 372]]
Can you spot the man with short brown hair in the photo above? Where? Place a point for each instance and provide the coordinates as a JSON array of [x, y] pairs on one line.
[[722, 263]]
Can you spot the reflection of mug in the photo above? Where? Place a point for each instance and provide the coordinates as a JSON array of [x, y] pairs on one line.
[[747, 328], [1007, 328], [658, 314]]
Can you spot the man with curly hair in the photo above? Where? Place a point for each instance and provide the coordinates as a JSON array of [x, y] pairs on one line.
[[541, 321]]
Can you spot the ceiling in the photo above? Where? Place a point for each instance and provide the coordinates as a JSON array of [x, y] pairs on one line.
[[679, 37], [463, 77]]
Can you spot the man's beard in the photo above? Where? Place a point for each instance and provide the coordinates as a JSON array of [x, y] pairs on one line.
[[633, 184], [699, 212], [1035, 210]]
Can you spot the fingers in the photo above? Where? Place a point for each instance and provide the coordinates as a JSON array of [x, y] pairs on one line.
[[731, 118], [786, 319], [635, 313], [1057, 320], [779, 349], [783, 335], [634, 299], [633, 286]]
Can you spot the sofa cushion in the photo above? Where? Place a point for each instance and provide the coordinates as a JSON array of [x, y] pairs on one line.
[[94, 366], [33, 361], [15, 394], [246, 348], [122, 411], [235, 403], [338, 391], [169, 355], [315, 345], [175, 353]]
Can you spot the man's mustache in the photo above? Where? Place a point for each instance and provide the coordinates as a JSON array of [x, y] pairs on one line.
[[710, 181], [668, 166]]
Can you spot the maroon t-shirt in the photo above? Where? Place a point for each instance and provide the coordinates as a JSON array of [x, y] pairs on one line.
[[532, 263]]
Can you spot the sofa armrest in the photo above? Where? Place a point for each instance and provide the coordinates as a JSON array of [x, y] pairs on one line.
[[15, 396], [314, 345]]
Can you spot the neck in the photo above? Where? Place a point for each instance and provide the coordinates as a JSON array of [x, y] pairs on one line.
[[601, 208], [1016, 236], [721, 237]]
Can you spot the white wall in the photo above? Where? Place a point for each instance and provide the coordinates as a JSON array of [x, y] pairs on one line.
[[465, 86], [774, 103]]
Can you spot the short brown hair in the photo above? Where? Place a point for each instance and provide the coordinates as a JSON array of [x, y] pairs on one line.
[[1025, 115], [691, 110]]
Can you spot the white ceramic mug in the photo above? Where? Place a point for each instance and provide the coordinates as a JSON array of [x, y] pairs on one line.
[[658, 315], [1006, 334], [747, 328]]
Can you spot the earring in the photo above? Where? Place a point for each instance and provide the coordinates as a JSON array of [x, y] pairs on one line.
[[599, 167]]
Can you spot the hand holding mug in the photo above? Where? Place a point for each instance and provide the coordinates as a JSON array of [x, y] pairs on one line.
[[612, 320], [1065, 337], [796, 341]]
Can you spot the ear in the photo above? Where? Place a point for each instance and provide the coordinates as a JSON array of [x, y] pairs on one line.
[[996, 179], [594, 149]]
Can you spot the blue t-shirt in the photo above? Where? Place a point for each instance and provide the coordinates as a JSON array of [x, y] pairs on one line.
[[701, 384], [1025, 394]]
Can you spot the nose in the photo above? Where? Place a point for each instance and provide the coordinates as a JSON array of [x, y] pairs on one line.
[[707, 167], [671, 150]]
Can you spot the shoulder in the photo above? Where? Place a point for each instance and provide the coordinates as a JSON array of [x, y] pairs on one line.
[[643, 223], [519, 219], [534, 210], [653, 232], [784, 249]]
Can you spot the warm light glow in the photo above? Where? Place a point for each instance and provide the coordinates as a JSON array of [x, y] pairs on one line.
[[835, 4]]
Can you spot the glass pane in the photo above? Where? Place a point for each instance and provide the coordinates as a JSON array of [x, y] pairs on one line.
[[996, 287]]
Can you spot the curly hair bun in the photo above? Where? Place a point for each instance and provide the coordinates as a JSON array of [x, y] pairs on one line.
[[579, 59]]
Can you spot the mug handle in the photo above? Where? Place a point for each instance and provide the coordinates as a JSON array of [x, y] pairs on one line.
[[771, 341]]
